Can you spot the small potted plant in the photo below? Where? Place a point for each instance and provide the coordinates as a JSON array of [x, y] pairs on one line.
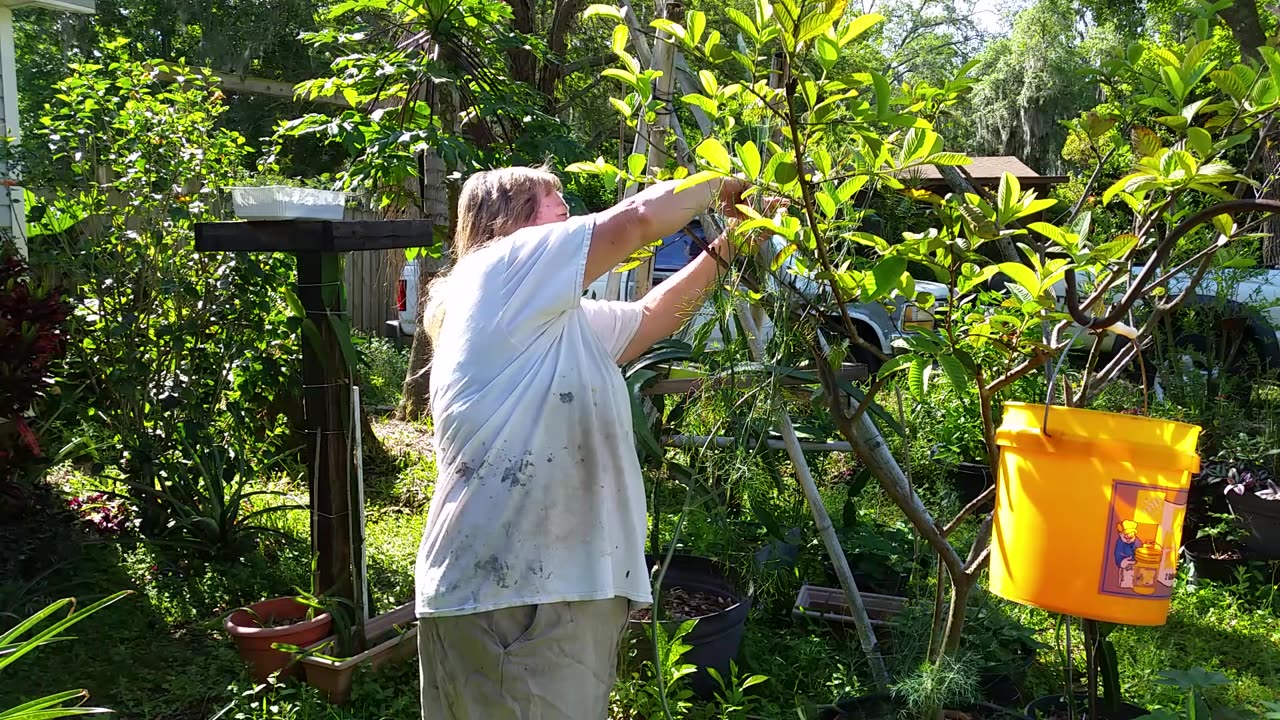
[[960, 450], [1007, 651], [1102, 665], [258, 629], [1217, 553], [1254, 497]]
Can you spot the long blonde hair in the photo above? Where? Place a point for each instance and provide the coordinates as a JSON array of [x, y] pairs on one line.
[[492, 205]]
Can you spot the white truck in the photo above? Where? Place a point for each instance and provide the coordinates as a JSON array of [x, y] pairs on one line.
[[1243, 304], [878, 323]]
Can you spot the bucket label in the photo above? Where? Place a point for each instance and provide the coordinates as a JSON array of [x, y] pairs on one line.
[[1143, 537]]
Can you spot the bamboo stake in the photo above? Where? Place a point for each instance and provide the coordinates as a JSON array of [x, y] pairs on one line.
[[866, 633], [721, 441]]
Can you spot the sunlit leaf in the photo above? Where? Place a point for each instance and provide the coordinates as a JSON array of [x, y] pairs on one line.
[[744, 23], [749, 156], [697, 179], [858, 26], [637, 164], [609, 11], [883, 95], [670, 27], [714, 154], [1146, 143], [947, 158], [1022, 275]]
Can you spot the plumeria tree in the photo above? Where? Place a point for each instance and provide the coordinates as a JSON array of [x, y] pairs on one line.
[[781, 115]]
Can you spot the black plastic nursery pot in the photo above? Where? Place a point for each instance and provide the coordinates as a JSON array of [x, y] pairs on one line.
[[1055, 707], [1004, 685], [1215, 559], [971, 480], [715, 638], [882, 706], [1261, 517]]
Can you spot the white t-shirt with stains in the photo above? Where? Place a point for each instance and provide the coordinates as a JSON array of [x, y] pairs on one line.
[[539, 496]]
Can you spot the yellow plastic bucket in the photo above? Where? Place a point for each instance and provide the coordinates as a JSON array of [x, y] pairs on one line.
[[1088, 517]]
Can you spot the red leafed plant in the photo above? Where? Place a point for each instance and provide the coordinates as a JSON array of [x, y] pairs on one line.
[[33, 322]]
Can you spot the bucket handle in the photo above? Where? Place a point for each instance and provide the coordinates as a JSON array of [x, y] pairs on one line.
[[1125, 332]]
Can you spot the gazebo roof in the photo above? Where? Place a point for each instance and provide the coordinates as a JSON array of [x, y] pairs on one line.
[[983, 171]]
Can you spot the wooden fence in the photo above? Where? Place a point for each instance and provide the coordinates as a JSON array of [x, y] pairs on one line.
[[372, 279]]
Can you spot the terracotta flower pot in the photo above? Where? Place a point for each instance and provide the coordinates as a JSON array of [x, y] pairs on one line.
[[279, 620]]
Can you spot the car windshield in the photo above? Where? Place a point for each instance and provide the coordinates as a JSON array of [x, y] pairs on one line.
[[676, 251]]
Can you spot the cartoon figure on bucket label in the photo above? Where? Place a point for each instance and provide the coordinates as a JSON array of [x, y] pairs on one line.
[[1143, 537], [1126, 547]]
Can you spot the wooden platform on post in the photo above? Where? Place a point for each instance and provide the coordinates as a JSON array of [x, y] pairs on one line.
[[327, 374]]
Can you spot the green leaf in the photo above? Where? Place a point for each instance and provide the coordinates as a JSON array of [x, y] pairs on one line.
[[947, 158], [696, 24], [291, 299], [620, 36], [749, 156], [51, 707], [670, 27], [1145, 142], [1008, 195], [955, 371], [1053, 232], [1022, 275], [1200, 141], [916, 377], [623, 109], [697, 179], [1134, 53], [646, 443], [714, 153], [894, 364], [858, 26], [637, 164], [785, 173], [1175, 83], [827, 203], [51, 631], [708, 105], [883, 95], [1229, 84], [828, 52], [1120, 185], [886, 273], [1272, 57], [608, 11], [625, 77], [744, 23], [709, 84]]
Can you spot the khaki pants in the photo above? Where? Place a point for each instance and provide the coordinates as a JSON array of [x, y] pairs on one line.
[[534, 662]]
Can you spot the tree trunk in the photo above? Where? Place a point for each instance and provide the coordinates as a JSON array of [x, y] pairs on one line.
[[1242, 18], [524, 65], [438, 204], [1271, 191]]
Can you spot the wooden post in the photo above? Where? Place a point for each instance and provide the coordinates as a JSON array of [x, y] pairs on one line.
[[326, 381]]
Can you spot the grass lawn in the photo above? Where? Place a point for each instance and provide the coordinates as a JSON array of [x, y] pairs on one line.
[[160, 654]]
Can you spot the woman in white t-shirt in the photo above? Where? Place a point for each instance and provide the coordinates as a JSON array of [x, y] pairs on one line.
[[532, 556]]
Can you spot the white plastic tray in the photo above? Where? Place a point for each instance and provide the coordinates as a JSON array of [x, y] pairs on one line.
[[281, 202]]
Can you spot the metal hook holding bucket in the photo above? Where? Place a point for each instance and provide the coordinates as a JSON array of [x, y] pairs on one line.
[[1121, 329]]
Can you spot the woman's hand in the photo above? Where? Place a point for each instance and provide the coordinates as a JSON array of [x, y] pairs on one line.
[[731, 242]]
